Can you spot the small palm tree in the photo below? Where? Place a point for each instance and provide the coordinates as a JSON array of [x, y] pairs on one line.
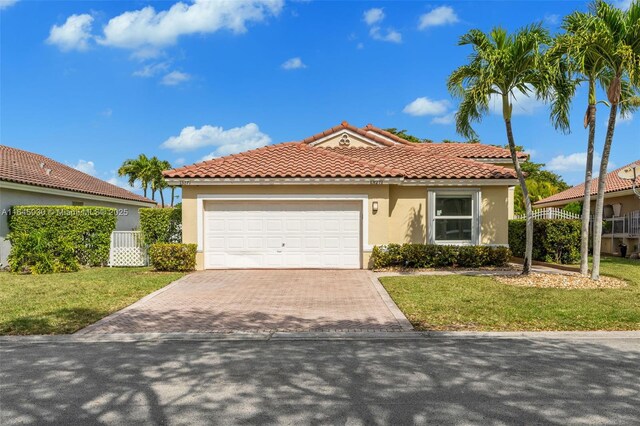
[[136, 169], [505, 66], [157, 181], [614, 36]]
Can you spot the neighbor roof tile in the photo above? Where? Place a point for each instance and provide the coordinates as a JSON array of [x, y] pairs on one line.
[[614, 184], [29, 168]]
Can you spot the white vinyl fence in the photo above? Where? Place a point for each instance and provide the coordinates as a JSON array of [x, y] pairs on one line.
[[127, 249], [550, 213]]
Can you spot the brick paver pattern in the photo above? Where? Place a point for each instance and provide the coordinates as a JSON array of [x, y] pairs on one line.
[[259, 300]]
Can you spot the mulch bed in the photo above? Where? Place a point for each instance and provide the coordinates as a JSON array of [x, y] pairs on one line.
[[566, 281]]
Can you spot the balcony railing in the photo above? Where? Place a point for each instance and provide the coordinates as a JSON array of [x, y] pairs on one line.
[[628, 225]]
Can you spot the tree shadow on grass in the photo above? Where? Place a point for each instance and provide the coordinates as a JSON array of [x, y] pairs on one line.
[[58, 321]]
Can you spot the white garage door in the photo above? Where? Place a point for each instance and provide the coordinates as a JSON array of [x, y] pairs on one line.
[[282, 234]]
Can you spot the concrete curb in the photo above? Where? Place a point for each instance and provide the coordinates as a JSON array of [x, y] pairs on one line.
[[319, 336], [404, 323]]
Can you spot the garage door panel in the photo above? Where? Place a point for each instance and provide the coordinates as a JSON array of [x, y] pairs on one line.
[[282, 234]]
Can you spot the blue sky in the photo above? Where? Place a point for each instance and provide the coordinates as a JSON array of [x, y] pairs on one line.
[[92, 83]]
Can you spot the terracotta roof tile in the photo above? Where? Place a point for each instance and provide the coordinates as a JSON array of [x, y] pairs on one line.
[[286, 160], [293, 159], [417, 163], [614, 184], [29, 168], [470, 150]]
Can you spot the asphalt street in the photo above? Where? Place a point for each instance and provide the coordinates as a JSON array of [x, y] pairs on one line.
[[427, 380]]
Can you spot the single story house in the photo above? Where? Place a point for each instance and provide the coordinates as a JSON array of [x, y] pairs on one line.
[[27, 178], [325, 201], [621, 209]]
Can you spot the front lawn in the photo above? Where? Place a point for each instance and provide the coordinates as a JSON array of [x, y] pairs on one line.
[[65, 303], [457, 302]]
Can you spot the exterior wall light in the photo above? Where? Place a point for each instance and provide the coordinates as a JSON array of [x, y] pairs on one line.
[[374, 206]]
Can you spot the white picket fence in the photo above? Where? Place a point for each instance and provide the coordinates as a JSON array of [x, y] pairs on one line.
[[550, 213], [127, 249]]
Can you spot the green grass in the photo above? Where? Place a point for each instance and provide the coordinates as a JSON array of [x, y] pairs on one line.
[[458, 302], [65, 303]]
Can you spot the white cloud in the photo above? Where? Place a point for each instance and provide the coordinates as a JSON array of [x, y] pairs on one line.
[[293, 64], [623, 4], [107, 112], [552, 19], [174, 78], [445, 119], [179, 162], [425, 106], [360, 46], [151, 70], [74, 34], [87, 167], [7, 3], [573, 162], [523, 104], [121, 182], [225, 142], [373, 16], [442, 15], [146, 27], [391, 35]]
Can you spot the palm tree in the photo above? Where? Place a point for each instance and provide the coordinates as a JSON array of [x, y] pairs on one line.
[[615, 38], [136, 169], [157, 181], [504, 66], [590, 68]]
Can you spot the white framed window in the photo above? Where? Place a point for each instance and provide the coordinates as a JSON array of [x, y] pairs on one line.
[[454, 216]]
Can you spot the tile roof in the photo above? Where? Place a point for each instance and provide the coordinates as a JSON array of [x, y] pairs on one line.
[[29, 168], [614, 184], [346, 126], [292, 159], [417, 163], [470, 150]]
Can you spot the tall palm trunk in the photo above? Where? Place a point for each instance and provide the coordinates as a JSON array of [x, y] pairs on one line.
[[161, 198], [153, 193], [173, 188], [144, 190], [528, 251], [602, 182], [586, 202]]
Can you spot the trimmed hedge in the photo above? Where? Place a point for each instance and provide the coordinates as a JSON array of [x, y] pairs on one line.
[[173, 257], [555, 240], [43, 237], [161, 225], [437, 256]]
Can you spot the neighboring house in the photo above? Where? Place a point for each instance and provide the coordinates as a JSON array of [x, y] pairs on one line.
[[621, 209], [27, 178], [324, 202]]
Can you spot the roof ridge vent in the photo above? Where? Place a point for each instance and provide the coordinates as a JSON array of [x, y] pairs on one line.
[[42, 165], [48, 172]]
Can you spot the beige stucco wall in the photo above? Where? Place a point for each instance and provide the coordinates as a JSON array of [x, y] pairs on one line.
[[494, 215], [401, 215]]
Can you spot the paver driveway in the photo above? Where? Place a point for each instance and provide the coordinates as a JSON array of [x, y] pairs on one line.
[[259, 300]]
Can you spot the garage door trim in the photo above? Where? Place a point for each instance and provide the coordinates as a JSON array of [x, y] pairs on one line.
[[364, 199]]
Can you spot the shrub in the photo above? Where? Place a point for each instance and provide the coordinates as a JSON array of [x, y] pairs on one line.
[[555, 240], [437, 256], [161, 225], [42, 252], [173, 257], [86, 231]]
